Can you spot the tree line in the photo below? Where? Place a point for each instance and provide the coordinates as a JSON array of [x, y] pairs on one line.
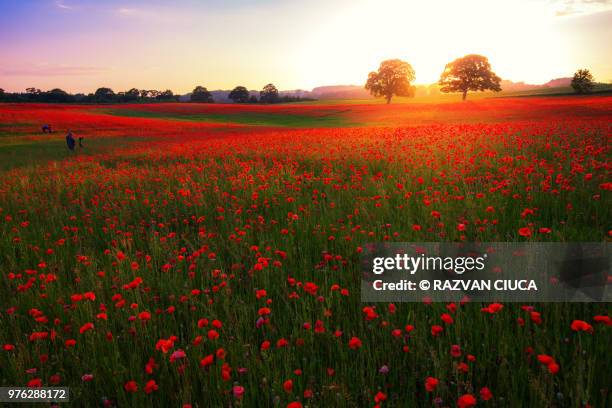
[[240, 94], [470, 73], [101, 95]]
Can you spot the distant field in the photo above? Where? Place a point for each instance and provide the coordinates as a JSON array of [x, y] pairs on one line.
[[208, 254], [331, 118], [558, 91], [22, 143]]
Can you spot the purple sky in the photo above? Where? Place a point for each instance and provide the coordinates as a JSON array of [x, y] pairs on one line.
[[82, 45]]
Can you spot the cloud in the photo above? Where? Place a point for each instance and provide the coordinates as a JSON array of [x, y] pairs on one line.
[[128, 12], [568, 11], [60, 4], [565, 8], [602, 2], [52, 70], [155, 14]]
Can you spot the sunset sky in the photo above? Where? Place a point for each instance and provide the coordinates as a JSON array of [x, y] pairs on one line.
[[80, 45]]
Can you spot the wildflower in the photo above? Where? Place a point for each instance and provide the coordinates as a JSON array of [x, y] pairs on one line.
[[150, 386], [207, 361], [485, 394], [466, 401], [238, 391], [131, 386], [354, 343], [581, 325], [86, 327], [431, 384]]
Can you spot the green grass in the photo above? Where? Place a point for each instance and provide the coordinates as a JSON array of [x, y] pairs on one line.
[[242, 194], [280, 119], [599, 89], [125, 195], [20, 152], [13, 129]]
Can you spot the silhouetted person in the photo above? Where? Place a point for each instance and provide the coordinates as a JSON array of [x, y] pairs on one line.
[[70, 141], [81, 142], [47, 129]]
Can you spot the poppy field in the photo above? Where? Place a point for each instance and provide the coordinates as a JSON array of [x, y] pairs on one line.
[[208, 255]]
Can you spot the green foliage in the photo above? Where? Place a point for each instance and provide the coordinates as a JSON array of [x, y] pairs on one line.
[[201, 94], [239, 94], [392, 78], [470, 73], [269, 94], [104, 95], [332, 118], [583, 81]]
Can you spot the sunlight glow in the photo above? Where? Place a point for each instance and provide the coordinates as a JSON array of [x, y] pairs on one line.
[[80, 45], [519, 40]]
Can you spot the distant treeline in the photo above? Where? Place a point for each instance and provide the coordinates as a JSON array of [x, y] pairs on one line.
[[269, 94]]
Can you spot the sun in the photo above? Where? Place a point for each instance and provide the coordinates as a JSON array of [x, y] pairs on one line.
[[517, 38]]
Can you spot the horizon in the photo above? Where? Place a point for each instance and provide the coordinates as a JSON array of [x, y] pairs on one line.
[[416, 84], [79, 46]]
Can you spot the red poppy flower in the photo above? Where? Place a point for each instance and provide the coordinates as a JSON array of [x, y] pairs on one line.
[[354, 343], [485, 394], [35, 383], [466, 401], [446, 318], [86, 327], [131, 386], [238, 391], [431, 384], [380, 397], [150, 386], [581, 325], [207, 361]]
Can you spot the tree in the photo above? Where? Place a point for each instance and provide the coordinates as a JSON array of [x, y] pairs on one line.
[[201, 94], [132, 95], [269, 94], [57, 95], [393, 78], [470, 73], [583, 81], [166, 95], [104, 95], [239, 94]]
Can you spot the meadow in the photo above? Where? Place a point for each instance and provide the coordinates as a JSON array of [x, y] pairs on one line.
[[208, 255]]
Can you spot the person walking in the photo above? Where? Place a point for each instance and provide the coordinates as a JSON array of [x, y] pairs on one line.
[[70, 140]]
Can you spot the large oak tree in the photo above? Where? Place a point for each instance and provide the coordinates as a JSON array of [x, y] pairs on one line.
[[583, 81], [239, 94], [392, 78], [201, 94], [470, 73], [269, 94]]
